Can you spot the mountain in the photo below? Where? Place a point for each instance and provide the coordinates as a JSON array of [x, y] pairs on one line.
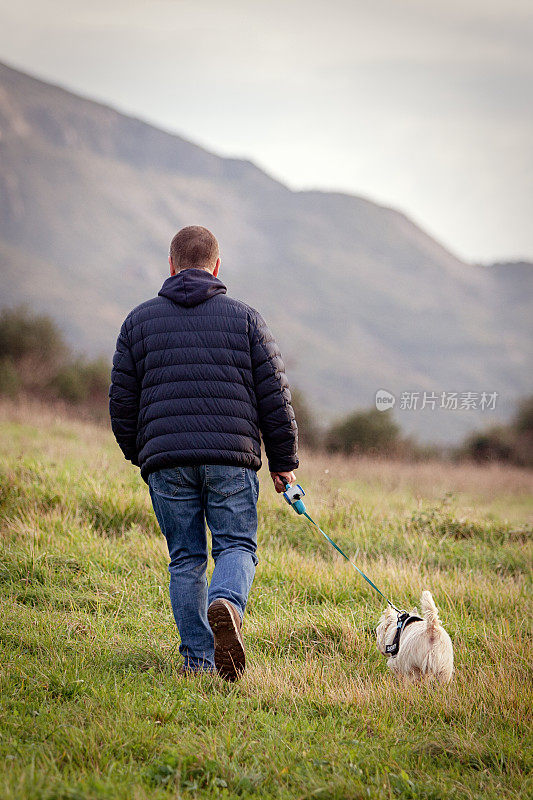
[[359, 296]]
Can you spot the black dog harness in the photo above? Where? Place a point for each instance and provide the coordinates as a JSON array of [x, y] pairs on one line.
[[404, 619]]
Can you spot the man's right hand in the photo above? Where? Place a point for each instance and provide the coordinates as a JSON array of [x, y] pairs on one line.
[[281, 479]]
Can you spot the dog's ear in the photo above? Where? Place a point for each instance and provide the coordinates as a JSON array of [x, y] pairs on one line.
[[414, 612], [385, 617]]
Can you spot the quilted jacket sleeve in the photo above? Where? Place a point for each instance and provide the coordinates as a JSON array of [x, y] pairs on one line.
[[124, 395], [276, 416]]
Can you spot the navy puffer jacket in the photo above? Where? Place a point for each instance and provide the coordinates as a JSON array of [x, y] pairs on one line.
[[196, 376]]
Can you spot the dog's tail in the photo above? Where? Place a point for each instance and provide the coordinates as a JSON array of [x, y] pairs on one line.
[[429, 611]]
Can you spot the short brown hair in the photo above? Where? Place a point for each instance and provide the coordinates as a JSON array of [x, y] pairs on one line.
[[194, 246]]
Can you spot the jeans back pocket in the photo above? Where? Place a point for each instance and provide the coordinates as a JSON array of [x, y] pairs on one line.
[[166, 482], [224, 480]]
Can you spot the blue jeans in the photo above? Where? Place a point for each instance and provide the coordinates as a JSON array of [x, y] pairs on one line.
[[184, 499]]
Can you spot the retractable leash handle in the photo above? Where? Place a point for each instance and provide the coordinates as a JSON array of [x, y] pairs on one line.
[[293, 495]]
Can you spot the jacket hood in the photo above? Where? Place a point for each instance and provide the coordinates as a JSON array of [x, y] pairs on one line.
[[190, 287]]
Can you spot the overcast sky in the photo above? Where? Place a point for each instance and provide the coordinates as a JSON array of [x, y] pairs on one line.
[[425, 105]]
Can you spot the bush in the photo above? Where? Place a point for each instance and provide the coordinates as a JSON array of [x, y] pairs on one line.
[[364, 432], [68, 384], [33, 344], [35, 358], [9, 378], [81, 381], [523, 422], [308, 433], [511, 443], [494, 444], [97, 376], [23, 335]]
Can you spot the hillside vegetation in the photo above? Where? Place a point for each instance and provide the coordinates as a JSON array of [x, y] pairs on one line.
[[91, 703]]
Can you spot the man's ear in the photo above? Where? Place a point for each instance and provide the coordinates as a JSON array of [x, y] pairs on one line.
[[171, 265], [217, 267]]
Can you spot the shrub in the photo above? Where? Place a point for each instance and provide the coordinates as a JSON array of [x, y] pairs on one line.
[[81, 381], [523, 422], [511, 443], [364, 432], [23, 335], [523, 428], [68, 384], [35, 358], [9, 378], [33, 344], [308, 432], [97, 376], [493, 444]]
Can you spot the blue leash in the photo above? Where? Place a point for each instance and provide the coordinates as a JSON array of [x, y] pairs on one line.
[[293, 495]]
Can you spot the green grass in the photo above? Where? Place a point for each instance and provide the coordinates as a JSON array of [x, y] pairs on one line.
[[91, 705]]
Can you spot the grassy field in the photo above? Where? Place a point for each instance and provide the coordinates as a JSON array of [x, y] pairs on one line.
[[91, 705]]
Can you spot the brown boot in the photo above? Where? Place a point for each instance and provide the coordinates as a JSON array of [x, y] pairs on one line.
[[225, 623]]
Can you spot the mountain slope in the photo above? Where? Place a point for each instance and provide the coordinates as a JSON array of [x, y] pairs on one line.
[[359, 296]]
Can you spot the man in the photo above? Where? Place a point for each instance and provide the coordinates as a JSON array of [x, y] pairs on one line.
[[196, 377]]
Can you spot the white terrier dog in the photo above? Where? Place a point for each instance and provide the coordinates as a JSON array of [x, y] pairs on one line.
[[417, 647]]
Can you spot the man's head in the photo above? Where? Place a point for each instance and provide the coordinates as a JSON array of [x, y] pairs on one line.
[[194, 247]]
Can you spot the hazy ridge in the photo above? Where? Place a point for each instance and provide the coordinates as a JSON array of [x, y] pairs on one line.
[[359, 297]]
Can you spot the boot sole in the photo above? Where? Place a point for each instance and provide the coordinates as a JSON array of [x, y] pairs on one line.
[[230, 659]]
